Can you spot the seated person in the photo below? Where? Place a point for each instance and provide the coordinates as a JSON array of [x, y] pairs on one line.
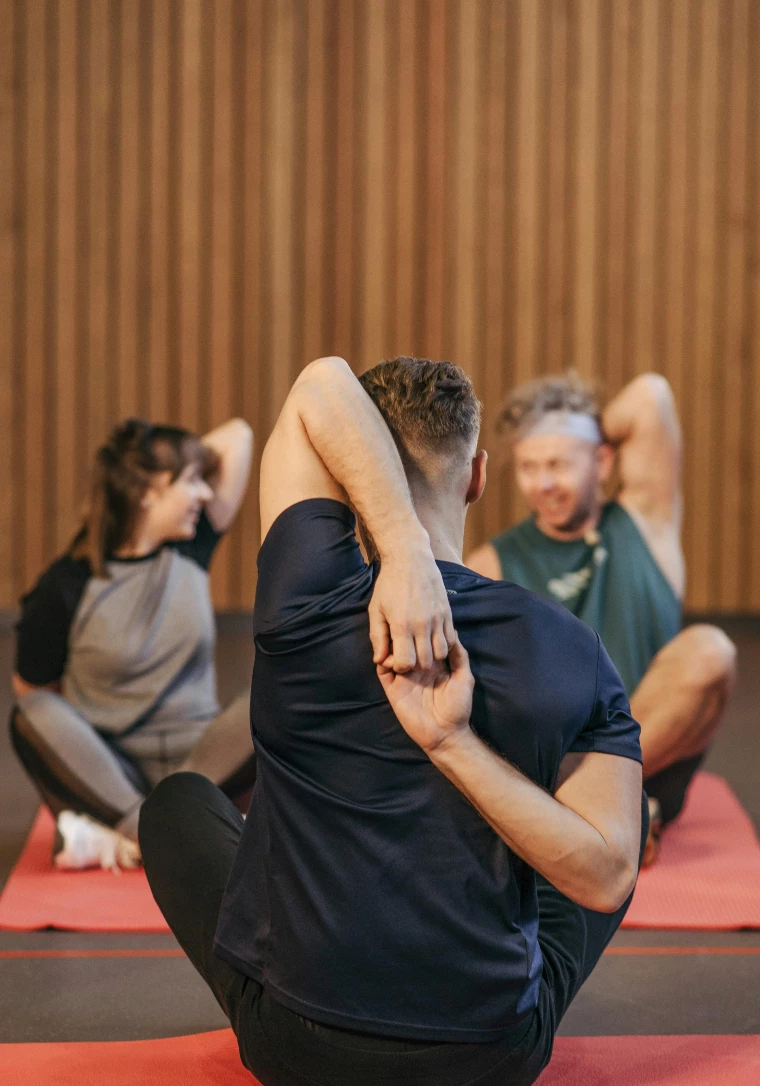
[[617, 565], [422, 884], [115, 680]]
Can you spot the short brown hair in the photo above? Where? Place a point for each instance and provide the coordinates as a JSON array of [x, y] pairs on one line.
[[428, 406], [525, 405]]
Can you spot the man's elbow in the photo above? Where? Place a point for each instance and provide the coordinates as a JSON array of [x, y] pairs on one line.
[[243, 430], [615, 890], [322, 369], [654, 393]]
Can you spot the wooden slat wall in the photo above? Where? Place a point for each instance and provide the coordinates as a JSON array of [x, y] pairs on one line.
[[199, 196]]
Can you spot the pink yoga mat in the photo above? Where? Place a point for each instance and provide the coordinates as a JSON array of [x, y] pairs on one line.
[[38, 896], [707, 876], [211, 1059]]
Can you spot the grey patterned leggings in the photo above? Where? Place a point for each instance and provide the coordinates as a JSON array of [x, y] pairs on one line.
[[76, 768]]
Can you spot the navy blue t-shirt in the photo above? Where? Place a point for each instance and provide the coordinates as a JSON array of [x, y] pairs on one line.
[[367, 893]]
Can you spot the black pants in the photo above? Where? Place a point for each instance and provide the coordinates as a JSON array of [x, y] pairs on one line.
[[671, 784], [189, 833]]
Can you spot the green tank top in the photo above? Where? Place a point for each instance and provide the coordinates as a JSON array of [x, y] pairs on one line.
[[615, 585]]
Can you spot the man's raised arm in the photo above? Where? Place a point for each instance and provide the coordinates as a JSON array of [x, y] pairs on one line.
[[642, 424], [330, 441]]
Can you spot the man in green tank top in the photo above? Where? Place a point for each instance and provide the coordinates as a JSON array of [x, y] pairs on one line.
[[617, 565]]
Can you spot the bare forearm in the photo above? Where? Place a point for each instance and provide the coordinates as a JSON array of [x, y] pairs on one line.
[[228, 436], [558, 843], [351, 438], [233, 444]]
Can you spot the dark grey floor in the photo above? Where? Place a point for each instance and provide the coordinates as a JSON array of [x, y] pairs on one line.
[[121, 998]]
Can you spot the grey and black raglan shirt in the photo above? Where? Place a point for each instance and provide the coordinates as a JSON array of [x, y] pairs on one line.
[[133, 647]]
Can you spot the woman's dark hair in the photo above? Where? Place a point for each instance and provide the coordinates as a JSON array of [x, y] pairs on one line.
[[122, 472]]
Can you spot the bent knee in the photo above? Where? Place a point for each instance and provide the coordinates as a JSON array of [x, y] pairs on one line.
[[709, 656], [177, 792]]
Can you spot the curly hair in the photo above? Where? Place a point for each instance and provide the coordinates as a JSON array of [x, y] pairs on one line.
[[429, 407], [525, 405]]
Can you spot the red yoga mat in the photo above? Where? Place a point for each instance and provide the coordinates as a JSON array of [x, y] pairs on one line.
[[38, 896], [211, 1059], [707, 876]]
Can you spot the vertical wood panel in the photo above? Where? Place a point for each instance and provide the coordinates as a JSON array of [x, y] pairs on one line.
[[556, 180], [527, 207], [619, 195], [189, 217], [643, 345], [220, 360], [751, 552], [699, 491], [158, 141], [502, 494], [207, 196], [467, 147], [9, 529], [491, 387], [315, 343], [676, 153], [345, 166], [466, 276], [280, 228], [584, 355], [375, 152], [99, 226], [435, 175], [527, 225], [405, 101], [37, 167], [733, 374], [67, 434], [129, 247], [251, 407]]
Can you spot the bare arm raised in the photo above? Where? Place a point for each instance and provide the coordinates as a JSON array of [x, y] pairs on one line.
[[233, 444], [330, 441], [584, 839], [641, 422]]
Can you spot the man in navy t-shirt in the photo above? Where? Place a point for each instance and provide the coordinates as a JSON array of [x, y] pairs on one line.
[[446, 824]]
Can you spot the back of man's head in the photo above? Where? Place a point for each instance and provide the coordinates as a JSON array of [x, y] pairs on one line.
[[430, 408]]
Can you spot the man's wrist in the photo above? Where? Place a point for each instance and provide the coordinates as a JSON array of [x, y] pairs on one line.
[[407, 540], [453, 747]]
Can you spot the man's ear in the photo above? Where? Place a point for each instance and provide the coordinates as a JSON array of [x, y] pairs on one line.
[[605, 460], [478, 477]]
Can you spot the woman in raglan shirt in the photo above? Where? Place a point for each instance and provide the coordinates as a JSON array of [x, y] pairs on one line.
[[115, 681]]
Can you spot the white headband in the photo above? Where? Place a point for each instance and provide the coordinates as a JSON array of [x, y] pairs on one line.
[[570, 423]]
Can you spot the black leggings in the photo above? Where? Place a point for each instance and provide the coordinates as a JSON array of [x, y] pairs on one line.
[[670, 785], [74, 767], [189, 833]]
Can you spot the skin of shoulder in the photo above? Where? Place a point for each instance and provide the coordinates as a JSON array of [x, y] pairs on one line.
[[485, 561]]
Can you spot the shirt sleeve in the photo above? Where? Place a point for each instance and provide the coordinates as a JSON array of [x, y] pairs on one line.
[[610, 728], [42, 632], [203, 544], [309, 557]]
